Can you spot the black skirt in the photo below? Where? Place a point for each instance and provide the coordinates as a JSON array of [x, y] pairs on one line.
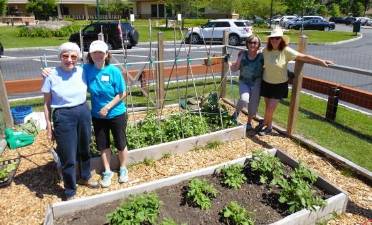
[[276, 91]]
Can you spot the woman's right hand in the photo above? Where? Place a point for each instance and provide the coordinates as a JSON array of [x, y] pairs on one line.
[[46, 72]]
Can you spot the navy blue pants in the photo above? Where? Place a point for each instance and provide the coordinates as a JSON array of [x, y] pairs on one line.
[[72, 131]]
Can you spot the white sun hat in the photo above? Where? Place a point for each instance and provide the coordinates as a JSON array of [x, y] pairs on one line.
[[278, 32], [98, 46]]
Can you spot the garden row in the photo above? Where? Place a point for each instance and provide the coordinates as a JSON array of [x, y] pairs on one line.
[[258, 190]]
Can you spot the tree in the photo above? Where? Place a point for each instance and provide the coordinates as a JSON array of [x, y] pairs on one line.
[[302, 7], [335, 10], [3, 4], [357, 9], [42, 9], [116, 7], [322, 10]]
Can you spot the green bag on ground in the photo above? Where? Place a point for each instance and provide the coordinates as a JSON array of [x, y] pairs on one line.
[[17, 139]]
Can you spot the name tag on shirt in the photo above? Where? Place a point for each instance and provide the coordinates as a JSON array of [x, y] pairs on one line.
[[105, 78]]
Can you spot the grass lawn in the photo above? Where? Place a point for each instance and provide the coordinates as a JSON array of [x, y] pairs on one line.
[[349, 136], [8, 34]]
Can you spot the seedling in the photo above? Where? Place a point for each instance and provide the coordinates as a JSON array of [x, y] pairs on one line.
[[233, 176], [200, 193]]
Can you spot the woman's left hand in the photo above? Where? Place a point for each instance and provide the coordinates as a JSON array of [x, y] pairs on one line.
[[103, 112]]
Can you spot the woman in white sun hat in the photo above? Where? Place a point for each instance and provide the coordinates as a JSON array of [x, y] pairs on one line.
[[274, 85]]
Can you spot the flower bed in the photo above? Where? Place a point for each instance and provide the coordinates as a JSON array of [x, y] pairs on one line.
[[175, 205]]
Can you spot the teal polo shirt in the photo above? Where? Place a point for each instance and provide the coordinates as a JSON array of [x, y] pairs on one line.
[[103, 85]]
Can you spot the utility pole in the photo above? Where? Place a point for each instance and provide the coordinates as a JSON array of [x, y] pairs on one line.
[[97, 9], [271, 12]]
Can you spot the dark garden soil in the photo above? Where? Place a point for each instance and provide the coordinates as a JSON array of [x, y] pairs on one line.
[[256, 198]]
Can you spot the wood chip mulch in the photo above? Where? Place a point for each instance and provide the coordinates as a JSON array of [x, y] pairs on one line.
[[36, 184]]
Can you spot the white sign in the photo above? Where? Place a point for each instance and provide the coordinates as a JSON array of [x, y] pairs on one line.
[[179, 17], [131, 17]]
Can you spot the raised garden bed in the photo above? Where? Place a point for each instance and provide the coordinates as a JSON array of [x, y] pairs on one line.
[[92, 210]]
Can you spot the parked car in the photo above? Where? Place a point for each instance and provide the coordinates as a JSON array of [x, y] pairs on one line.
[[239, 31], [349, 20], [314, 24], [274, 20], [362, 20], [284, 19], [337, 19], [111, 33], [1, 50], [369, 22], [290, 23]]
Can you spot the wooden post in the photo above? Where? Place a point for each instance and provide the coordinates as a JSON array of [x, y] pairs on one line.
[[160, 72], [296, 87], [7, 116], [225, 64]]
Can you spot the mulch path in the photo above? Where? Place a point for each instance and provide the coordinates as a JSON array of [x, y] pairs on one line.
[[36, 184]]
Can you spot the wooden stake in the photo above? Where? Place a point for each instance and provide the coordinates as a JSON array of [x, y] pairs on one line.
[[225, 65], [296, 87], [7, 116], [160, 72]]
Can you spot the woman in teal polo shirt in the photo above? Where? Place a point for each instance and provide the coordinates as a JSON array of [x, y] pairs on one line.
[[107, 88]]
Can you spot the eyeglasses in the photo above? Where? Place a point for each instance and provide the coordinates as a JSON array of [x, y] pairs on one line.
[[252, 42], [276, 38], [66, 56]]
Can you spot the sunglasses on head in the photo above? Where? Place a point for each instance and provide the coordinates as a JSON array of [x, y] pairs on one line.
[[66, 56], [276, 38]]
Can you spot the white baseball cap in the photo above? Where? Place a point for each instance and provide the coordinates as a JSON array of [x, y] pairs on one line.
[[98, 46]]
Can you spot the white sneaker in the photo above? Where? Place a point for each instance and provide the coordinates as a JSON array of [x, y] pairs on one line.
[[123, 175], [106, 180]]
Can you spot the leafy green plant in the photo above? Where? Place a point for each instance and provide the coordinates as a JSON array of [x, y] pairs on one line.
[[233, 176], [234, 214], [168, 221], [140, 209], [304, 173], [216, 113], [268, 166], [213, 144], [149, 162], [200, 193], [4, 172], [297, 194]]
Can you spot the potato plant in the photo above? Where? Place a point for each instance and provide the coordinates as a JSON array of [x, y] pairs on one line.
[[233, 176], [268, 166], [200, 193], [140, 209], [234, 214], [297, 193]]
